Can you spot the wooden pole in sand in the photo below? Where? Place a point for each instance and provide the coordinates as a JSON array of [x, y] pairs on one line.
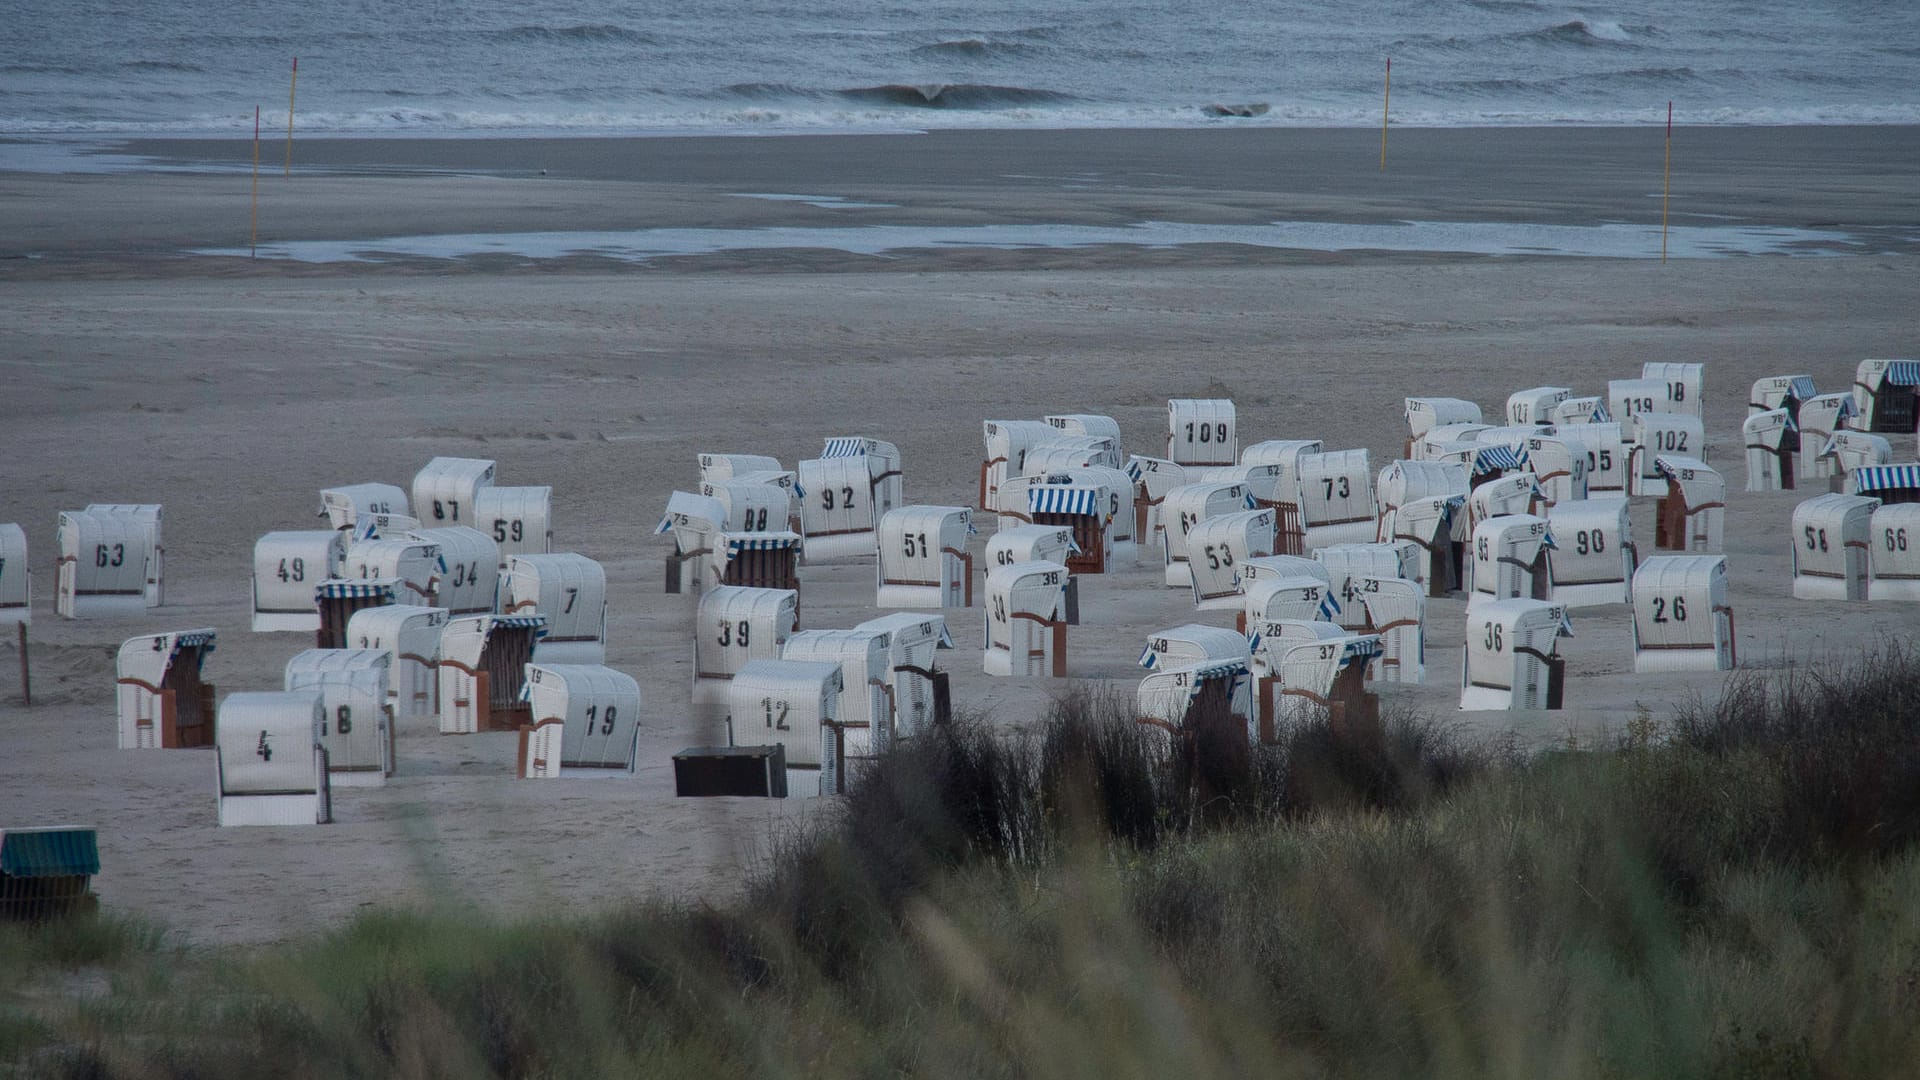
[[1666, 184], [253, 248], [292, 87], [1385, 100], [26, 677]]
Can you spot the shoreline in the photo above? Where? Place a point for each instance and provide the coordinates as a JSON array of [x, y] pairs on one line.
[[178, 196], [1655, 120]]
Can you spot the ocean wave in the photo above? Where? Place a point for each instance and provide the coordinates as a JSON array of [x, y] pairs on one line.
[[1492, 88], [976, 49], [163, 65], [584, 32], [1565, 89], [1577, 33], [761, 91], [1584, 32], [1654, 75], [1246, 111], [954, 96], [40, 69], [1819, 78]]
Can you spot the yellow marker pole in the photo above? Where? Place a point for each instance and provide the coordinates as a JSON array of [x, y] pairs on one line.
[[1385, 100], [1666, 184], [254, 247], [291, 89]]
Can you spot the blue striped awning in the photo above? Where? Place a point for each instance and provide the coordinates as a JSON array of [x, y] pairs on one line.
[[58, 852], [536, 622], [1903, 373], [1885, 478], [1801, 387], [1063, 500], [1360, 648], [845, 446], [761, 542], [1499, 459], [346, 588], [187, 639], [1148, 657], [1218, 669], [1133, 469]]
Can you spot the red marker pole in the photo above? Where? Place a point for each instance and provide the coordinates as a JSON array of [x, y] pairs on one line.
[[1666, 184], [254, 245]]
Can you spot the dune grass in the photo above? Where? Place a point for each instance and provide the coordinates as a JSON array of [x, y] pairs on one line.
[[1733, 891]]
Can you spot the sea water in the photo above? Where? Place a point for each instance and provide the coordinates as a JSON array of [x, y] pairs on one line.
[[429, 67]]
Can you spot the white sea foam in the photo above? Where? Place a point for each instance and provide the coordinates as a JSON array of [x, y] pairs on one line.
[[1608, 241]]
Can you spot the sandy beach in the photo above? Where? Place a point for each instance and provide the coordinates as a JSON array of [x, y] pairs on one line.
[[231, 389]]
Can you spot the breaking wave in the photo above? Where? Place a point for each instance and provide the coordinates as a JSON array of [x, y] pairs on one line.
[[1583, 32], [954, 96]]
